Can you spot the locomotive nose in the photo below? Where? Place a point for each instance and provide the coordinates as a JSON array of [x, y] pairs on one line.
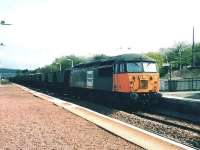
[[143, 83]]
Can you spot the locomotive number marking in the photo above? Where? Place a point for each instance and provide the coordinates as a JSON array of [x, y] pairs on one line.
[[89, 79]]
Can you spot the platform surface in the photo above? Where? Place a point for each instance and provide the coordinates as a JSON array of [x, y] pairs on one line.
[[28, 122], [184, 94]]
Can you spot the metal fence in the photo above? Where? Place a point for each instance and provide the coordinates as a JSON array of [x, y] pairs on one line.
[[180, 85]]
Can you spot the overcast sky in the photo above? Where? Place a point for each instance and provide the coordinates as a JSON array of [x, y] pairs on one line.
[[45, 29]]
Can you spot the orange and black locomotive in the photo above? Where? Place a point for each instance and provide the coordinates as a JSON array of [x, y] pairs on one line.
[[130, 76]]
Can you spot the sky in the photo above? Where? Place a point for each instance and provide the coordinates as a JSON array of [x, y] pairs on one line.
[[43, 30]]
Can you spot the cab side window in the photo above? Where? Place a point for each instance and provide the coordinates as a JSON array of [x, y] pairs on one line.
[[121, 68], [116, 68]]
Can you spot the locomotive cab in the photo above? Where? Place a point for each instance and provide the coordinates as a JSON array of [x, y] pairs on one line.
[[138, 79]]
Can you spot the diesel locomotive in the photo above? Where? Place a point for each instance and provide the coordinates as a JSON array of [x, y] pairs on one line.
[[128, 77]]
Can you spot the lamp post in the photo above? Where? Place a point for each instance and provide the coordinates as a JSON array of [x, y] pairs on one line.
[[4, 23], [72, 62], [1, 44], [60, 66]]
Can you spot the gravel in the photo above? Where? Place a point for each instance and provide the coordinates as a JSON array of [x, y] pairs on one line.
[[177, 134], [174, 133], [27, 122]]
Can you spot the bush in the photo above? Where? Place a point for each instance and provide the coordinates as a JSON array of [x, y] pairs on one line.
[[4, 81]]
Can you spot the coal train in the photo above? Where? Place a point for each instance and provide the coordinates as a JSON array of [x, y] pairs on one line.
[[129, 78]]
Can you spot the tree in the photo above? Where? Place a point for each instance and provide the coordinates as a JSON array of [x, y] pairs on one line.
[[99, 57], [197, 54], [157, 57], [179, 55], [65, 64]]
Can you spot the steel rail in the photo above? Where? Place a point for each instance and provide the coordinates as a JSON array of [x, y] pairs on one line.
[[167, 122]]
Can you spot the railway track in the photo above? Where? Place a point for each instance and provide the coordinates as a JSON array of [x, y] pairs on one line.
[[169, 121], [169, 116]]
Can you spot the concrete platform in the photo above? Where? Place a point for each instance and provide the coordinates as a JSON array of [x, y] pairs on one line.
[[184, 94], [133, 134], [28, 122]]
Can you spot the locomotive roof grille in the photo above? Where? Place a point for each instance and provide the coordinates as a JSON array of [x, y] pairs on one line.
[[115, 59]]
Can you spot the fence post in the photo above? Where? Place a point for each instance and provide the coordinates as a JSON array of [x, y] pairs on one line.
[[170, 85], [192, 84]]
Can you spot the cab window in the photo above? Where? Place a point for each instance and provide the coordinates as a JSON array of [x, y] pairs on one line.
[[134, 67], [121, 68]]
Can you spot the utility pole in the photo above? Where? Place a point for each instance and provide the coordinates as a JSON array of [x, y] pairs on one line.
[[193, 59]]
